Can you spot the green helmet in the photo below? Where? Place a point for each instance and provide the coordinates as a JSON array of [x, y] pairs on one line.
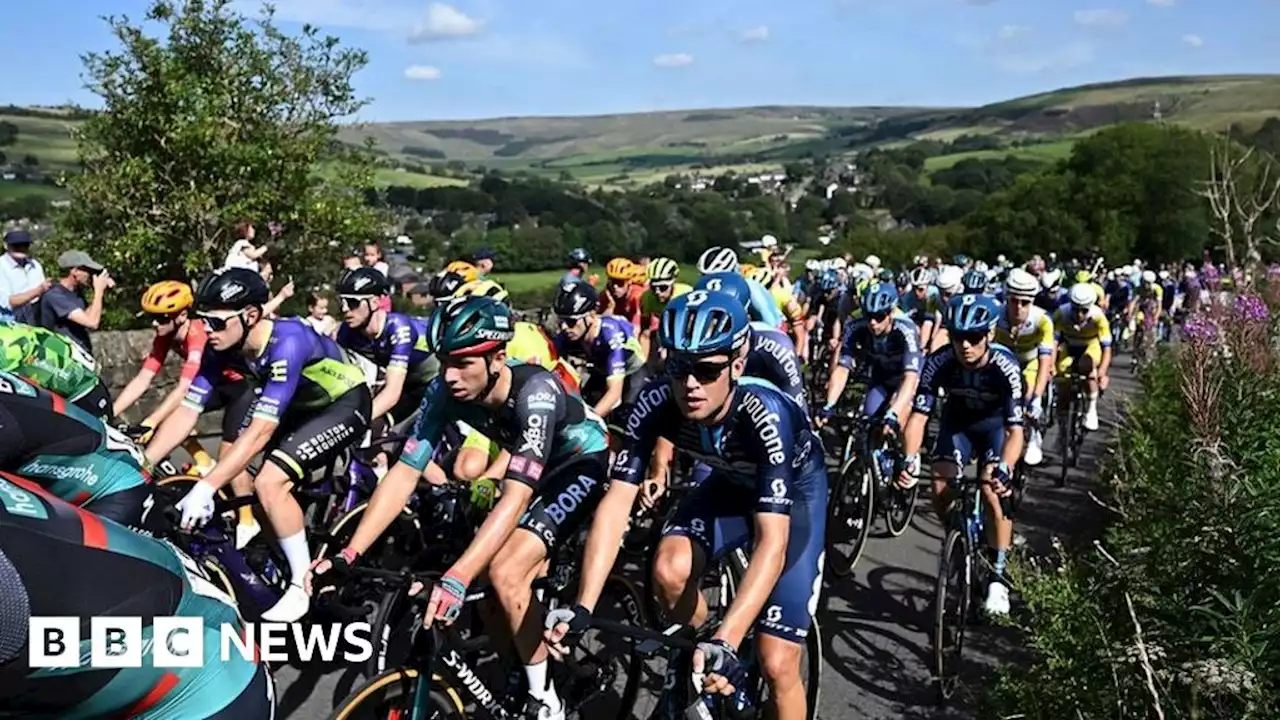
[[470, 325]]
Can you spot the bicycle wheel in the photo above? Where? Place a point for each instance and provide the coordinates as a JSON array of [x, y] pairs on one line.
[[390, 695], [951, 613], [900, 507], [604, 675], [395, 548], [849, 517]]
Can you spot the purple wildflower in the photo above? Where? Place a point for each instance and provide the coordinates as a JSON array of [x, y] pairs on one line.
[[1251, 308], [1201, 329]]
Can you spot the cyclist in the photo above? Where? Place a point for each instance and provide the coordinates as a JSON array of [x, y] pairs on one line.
[[768, 488], [72, 454], [662, 274], [311, 406], [623, 295], [763, 307], [949, 282], [608, 345], [56, 363], [885, 347], [554, 466], [444, 284], [463, 269], [1081, 328], [825, 304], [53, 562], [920, 304], [1149, 302], [393, 342], [1052, 294], [982, 420], [1028, 333], [792, 312], [579, 266], [973, 282]]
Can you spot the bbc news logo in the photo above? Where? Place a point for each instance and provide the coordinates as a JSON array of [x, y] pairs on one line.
[[185, 642]]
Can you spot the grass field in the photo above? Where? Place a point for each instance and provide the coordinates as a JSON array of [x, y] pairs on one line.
[[11, 190], [404, 178], [48, 138], [1046, 151]]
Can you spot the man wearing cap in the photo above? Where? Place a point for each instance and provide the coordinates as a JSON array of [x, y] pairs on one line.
[[63, 307], [483, 260], [22, 280]]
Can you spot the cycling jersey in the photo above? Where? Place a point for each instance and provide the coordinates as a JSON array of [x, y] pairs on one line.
[[1169, 293], [772, 357], [614, 352], [60, 561], [1094, 328], [531, 345], [883, 360], [1120, 293], [651, 307], [1051, 299], [55, 363], [628, 307], [787, 304], [981, 403], [919, 309], [401, 345], [1029, 340], [763, 308], [764, 458], [1151, 296], [190, 348], [72, 454]]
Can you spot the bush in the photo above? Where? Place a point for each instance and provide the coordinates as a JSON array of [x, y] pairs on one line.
[[1180, 606]]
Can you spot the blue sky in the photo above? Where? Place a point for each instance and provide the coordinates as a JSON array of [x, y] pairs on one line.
[[486, 58]]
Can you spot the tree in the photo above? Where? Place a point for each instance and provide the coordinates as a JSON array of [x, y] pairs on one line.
[[30, 161], [1242, 190], [209, 117], [8, 133], [3, 158]]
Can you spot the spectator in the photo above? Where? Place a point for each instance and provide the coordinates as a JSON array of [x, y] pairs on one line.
[[483, 260], [22, 279], [353, 259], [63, 308], [318, 315], [243, 253], [420, 295], [268, 273], [373, 258]]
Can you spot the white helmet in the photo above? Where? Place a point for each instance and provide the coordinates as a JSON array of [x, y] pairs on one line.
[[810, 264], [769, 241], [949, 278], [718, 259], [862, 271], [1050, 279], [1111, 274], [1126, 271], [1021, 283], [839, 263], [1083, 296], [1148, 276], [1001, 259], [1164, 274], [873, 261], [920, 277]]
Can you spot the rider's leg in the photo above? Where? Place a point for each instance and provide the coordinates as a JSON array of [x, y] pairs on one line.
[[285, 515], [780, 665], [678, 565], [1086, 366], [952, 453], [521, 562]]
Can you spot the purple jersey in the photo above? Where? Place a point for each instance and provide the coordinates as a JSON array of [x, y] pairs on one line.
[[615, 351], [401, 345]]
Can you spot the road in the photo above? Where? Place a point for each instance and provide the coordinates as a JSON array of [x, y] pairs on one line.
[[874, 624]]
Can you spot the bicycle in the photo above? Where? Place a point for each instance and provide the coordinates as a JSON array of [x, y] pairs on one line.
[[1071, 434], [1144, 341]]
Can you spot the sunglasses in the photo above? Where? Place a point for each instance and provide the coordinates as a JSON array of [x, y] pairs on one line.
[[880, 316], [661, 287], [1020, 302], [703, 371], [970, 338], [214, 323], [351, 302], [565, 321]]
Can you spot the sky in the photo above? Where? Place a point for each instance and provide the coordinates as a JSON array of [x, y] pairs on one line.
[[494, 58]]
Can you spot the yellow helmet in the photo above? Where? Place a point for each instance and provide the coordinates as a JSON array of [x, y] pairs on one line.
[[662, 270], [639, 274], [484, 288], [468, 271], [167, 297], [619, 268], [762, 275], [747, 269]]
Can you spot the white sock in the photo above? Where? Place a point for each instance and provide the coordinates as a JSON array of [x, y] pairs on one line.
[[298, 556], [539, 688]]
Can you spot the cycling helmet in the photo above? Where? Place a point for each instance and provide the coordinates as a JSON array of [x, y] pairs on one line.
[[1050, 279], [663, 269], [575, 299], [829, 281], [484, 288], [838, 263], [726, 283], [232, 289], [879, 298], [974, 281], [960, 260], [1083, 295], [718, 259], [577, 256], [363, 282], [886, 275], [1148, 276], [639, 274], [972, 313], [619, 268], [948, 279], [704, 323], [872, 261], [469, 326], [861, 271], [920, 277], [1164, 274], [167, 297], [1021, 283], [762, 275], [445, 283]]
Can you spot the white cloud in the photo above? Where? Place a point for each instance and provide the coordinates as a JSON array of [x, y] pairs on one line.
[[673, 60], [422, 72], [1194, 41], [755, 34], [1162, 3], [1101, 18], [445, 22]]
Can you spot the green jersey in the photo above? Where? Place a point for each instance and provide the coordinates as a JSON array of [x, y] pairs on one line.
[[47, 359]]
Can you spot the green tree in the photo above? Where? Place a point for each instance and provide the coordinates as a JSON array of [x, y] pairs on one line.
[[209, 117], [8, 133], [30, 161]]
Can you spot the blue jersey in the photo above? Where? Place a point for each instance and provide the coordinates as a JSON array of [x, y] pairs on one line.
[[884, 359], [919, 309], [401, 345], [993, 390], [615, 351], [764, 446], [772, 357], [764, 307]]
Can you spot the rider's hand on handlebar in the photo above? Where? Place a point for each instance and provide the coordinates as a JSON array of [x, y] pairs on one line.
[[446, 601], [1002, 479], [1035, 408], [909, 476], [824, 415], [334, 570], [197, 505], [719, 661], [651, 490], [1104, 381], [564, 629]]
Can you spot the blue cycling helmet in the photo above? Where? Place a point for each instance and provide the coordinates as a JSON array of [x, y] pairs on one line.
[[728, 283], [974, 282], [972, 313], [960, 260], [879, 298], [829, 281], [704, 323], [579, 255]]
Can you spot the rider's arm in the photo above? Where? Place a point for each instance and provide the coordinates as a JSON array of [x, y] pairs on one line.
[[134, 390], [612, 516], [1104, 338], [177, 427], [840, 370], [912, 362], [389, 395], [402, 341], [615, 367], [922, 406], [1011, 388]]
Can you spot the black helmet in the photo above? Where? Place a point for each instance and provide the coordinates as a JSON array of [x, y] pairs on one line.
[[579, 255], [232, 289], [575, 299], [445, 284], [365, 281]]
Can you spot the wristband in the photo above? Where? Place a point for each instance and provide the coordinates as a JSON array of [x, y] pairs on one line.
[[349, 554]]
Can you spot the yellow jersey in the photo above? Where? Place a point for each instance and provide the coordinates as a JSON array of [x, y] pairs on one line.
[[1031, 339], [787, 303], [530, 345], [1094, 328]]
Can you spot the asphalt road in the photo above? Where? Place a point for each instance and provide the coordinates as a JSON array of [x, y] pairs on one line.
[[875, 623]]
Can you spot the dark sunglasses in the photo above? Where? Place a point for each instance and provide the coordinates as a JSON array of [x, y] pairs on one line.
[[661, 287], [703, 371], [568, 321], [880, 316], [351, 302], [969, 338], [218, 324]]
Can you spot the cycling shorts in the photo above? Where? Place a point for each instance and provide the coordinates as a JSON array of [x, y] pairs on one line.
[[1092, 350], [235, 398], [876, 400], [96, 402], [1030, 371], [311, 440], [963, 441], [719, 517], [566, 499]]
